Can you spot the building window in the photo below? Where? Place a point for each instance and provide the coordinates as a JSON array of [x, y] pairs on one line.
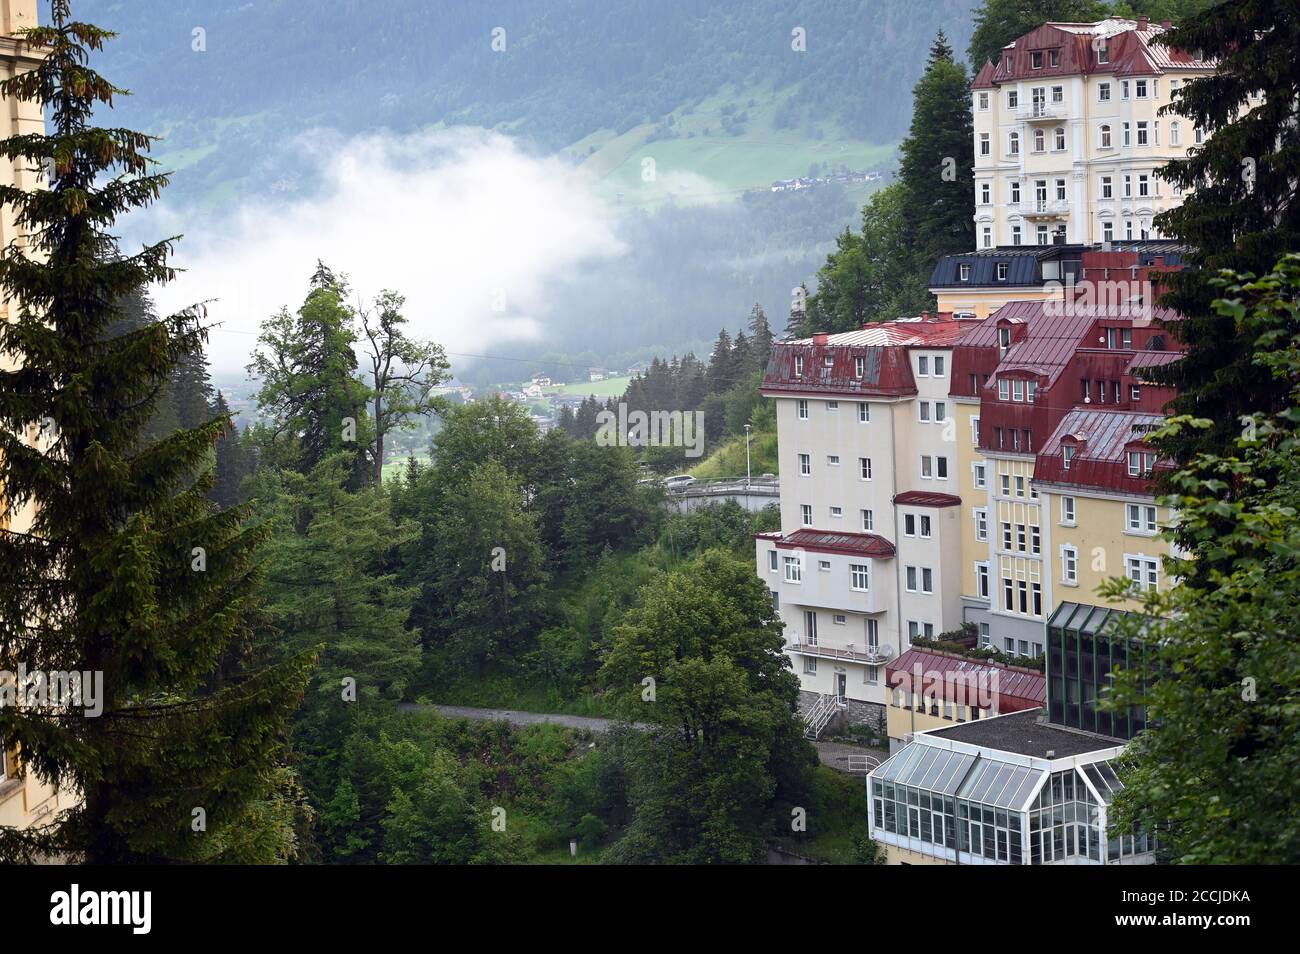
[[1140, 88], [793, 570], [1069, 565], [1067, 511], [1141, 518], [963, 272], [1175, 134], [824, 566], [1103, 53], [979, 475], [1103, 92], [773, 561], [859, 577], [1126, 138], [832, 405], [1067, 455], [776, 600], [1013, 144], [983, 100], [810, 665], [805, 514], [833, 460], [1013, 97], [1107, 188], [1107, 231], [927, 467], [864, 412], [982, 580], [1006, 536], [1058, 92], [1015, 235], [839, 619], [798, 364], [1140, 463], [837, 513], [987, 236], [1004, 269], [984, 144], [1143, 571], [1040, 141], [1104, 140], [1036, 60], [859, 366], [1058, 141], [938, 366], [1143, 133], [864, 468], [868, 520], [1015, 192], [975, 431], [941, 468], [805, 465], [802, 407], [985, 194], [981, 524], [923, 409]]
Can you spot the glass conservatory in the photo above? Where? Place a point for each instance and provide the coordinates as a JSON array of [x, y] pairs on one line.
[[967, 804]]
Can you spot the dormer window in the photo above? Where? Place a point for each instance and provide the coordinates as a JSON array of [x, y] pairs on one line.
[[859, 366], [828, 361], [1141, 463], [1053, 57], [1036, 60], [1067, 455], [1103, 52], [963, 272], [798, 364], [1003, 269], [1004, 339]]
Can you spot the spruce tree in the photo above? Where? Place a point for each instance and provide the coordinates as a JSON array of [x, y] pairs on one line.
[[760, 336], [1239, 211], [126, 570], [937, 161]]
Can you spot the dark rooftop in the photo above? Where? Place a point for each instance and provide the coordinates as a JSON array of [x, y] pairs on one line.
[[1022, 733]]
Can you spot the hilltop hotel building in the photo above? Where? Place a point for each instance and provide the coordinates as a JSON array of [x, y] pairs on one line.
[[1068, 134], [985, 468]]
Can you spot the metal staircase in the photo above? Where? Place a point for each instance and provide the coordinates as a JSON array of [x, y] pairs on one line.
[[820, 713]]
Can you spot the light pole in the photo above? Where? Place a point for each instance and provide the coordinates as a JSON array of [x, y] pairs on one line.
[[746, 456]]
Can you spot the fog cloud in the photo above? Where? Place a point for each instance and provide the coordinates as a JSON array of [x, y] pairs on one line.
[[475, 232]]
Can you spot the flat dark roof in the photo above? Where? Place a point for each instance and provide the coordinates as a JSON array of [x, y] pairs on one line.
[[1023, 734]]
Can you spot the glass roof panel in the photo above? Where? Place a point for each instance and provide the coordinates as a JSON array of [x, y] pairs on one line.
[[953, 773], [935, 770]]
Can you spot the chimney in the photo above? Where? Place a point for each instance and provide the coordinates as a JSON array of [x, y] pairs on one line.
[[1143, 23], [821, 338], [1167, 24], [925, 315]]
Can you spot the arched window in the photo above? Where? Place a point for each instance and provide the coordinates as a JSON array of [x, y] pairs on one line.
[[1175, 134], [1039, 142], [1060, 138], [1104, 136], [1013, 144]]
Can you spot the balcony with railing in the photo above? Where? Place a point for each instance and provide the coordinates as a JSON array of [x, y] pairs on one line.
[[1041, 112], [1045, 208], [870, 654]]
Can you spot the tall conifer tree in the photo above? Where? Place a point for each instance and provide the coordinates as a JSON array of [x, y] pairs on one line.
[[126, 570]]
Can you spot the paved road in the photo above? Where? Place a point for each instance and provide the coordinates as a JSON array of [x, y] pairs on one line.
[[515, 717], [830, 753]]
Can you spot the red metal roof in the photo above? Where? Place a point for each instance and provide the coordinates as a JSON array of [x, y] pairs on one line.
[[829, 541], [883, 346], [925, 498], [1100, 460], [1015, 688], [1131, 52]]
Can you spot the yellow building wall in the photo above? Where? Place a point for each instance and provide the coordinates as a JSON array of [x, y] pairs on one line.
[[1101, 538], [901, 856], [972, 549], [983, 302]]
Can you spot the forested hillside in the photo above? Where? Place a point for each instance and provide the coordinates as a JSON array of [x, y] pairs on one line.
[[568, 69]]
